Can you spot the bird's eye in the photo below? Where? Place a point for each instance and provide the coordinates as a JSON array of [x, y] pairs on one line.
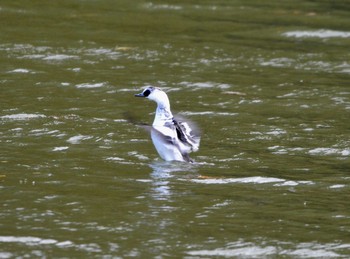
[[146, 93]]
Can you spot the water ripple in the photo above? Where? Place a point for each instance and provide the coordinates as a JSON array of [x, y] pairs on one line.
[[323, 34], [22, 116]]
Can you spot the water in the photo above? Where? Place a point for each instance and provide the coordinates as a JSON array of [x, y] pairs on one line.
[[267, 83]]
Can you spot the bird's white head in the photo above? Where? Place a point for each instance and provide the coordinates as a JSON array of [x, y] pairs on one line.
[[157, 95]]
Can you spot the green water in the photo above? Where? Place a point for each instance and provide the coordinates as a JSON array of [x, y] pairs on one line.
[[268, 84]]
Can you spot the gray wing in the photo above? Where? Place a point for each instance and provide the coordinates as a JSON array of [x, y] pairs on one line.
[[164, 138], [187, 132]]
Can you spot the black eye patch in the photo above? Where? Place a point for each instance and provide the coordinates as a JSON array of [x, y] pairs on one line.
[[146, 93]]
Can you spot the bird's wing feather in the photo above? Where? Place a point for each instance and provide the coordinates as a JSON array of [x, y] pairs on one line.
[[187, 132], [166, 139]]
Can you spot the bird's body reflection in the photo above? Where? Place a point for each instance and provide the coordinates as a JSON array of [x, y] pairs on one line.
[[163, 172]]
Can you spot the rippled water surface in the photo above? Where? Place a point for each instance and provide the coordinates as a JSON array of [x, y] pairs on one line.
[[268, 84]]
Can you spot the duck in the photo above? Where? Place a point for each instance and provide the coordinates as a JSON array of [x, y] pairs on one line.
[[173, 138]]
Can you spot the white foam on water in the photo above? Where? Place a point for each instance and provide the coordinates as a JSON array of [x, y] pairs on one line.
[[345, 152], [77, 139], [100, 51], [278, 182], [26, 240], [90, 85], [17, 129], [33, 56], [162, 6], [280, 150], [115, 158], [323, 34], [20, 70], [120, 120], [59, 57], [329, 151], [5, 255], [22, 116], [278, 62], [210, 113], [276, 132], [36, 241], [293, 183], [315, 250], [202, 85], [309, 253], [254, 179], [137, 155], [59, 149], [337, 186], [251, 252]]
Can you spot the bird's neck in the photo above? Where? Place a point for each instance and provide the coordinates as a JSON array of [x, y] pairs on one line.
[[163, 114]]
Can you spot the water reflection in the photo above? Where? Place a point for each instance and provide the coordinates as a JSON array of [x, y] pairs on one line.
[[163, 172]]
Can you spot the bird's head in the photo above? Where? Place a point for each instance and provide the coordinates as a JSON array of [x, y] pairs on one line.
[[155, 94]]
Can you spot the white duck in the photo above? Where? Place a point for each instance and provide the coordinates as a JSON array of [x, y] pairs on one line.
[[173, 139]]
